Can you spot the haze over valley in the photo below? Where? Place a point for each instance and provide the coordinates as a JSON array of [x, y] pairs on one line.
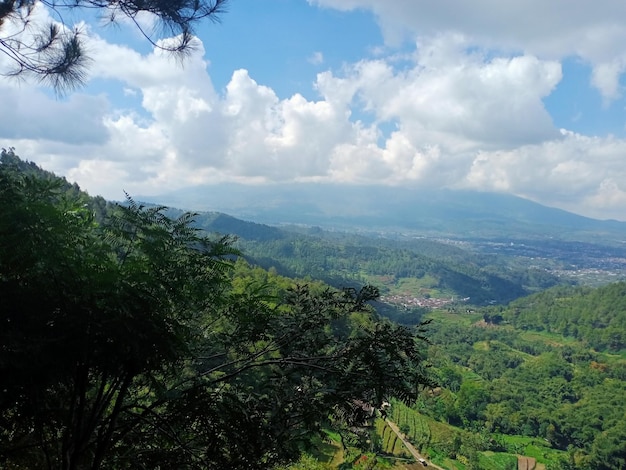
[[312, 235]]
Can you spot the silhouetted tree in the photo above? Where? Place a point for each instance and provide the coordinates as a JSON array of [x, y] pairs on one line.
[[127, 344]]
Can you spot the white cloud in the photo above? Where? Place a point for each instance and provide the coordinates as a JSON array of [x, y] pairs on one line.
[[460, 117], [576, 173], [453, 99], [605, 77], [555, 29], [608, 200], [317, 58], [30, 114]]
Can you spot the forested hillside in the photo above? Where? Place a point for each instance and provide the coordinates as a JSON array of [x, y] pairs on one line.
[[513, 382], [132, 340], [538, 378], [437, 269], [596, 317]]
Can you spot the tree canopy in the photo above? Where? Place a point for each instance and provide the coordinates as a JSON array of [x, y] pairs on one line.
[[141, 342], [55, 52]]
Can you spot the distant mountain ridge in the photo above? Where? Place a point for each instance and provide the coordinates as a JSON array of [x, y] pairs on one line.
[[347, 259], [340, 258], [468, 214]]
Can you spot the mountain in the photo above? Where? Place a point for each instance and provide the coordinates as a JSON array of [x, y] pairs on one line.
[[402, 268], [440, 270], [463, 214]]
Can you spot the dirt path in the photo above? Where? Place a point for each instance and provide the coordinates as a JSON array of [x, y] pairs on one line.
[[409, 446], [525, 463], [337, 456]]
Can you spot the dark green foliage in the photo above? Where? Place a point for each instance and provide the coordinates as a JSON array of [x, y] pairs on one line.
[[223, 223], [339, 259], [401, 315], [139, 342], [594, 316], [88, 317], [98, 206], [558, 392]]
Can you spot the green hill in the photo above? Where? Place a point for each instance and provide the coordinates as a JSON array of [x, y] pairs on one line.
[[510, 383], [595, 316], [412, 267], [138, 341]]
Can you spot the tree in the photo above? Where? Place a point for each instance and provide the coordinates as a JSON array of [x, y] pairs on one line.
[[89, 318], [127, 344], [54, 53], [609, 448]]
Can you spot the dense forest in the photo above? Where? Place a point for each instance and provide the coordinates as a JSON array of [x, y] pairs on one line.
[[519, 389], [133, 340], [144, 337], [596, 317], [342, 258]]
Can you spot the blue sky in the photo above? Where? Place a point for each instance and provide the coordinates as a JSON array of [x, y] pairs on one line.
[[522, 97]]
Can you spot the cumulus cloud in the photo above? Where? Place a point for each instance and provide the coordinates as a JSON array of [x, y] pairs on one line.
[[449, 115], [605, 77], [549, 30], [578, 173], [607, 200], [30, 114]]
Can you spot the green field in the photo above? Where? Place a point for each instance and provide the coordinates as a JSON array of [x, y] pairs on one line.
[[454, 448]]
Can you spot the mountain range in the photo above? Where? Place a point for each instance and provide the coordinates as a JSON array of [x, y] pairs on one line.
[[458, 214]]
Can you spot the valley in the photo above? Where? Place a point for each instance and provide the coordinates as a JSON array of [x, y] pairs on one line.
[[495, 353], [585, 263], [507, 321]]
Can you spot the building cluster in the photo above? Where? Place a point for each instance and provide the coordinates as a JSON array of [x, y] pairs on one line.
[[410, 301]]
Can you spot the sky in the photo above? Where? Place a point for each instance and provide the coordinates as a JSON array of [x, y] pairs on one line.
[[524, 97]]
